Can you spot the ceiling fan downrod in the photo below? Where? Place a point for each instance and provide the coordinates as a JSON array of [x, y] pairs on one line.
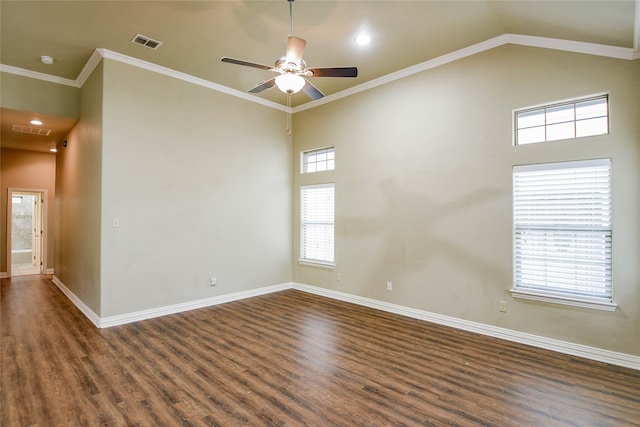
[[290, 17]]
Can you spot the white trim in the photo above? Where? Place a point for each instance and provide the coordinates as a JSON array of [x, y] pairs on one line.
[[188, 78], [38, 76], [409, 71], [517, 39], [572, 46], [93, 317], [136, 316], [587, 352], [314, 263], [563, 299], [122, 319], [88, 68]]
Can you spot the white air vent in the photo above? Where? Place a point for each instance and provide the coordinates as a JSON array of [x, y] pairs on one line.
[[31, 130], [146, 41]]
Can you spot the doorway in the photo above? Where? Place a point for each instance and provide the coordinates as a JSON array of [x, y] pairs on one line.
[[26, 232]]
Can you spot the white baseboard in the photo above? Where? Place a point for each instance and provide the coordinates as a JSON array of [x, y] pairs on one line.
[[107, 322], [93, 317], [122, 319], [4, 274], [592, 353], [587, 352]]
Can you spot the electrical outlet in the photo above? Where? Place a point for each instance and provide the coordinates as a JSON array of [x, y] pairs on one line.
[[213, 281], [389, 286], [502, 306], [338, 277]]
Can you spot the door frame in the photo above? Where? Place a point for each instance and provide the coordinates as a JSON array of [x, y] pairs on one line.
[[44, 224]]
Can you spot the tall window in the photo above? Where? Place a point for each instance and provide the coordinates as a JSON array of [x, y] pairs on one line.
[[317, 224], [323, 159], [562, 232], [566, 120]]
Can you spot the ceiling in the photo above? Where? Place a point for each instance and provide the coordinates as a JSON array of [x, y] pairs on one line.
[[196, 34]]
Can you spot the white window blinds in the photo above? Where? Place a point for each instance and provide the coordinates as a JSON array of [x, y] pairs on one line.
[[317, 223], [562, 229]]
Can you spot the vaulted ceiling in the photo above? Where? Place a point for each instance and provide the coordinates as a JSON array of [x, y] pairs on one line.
[[196, 34]]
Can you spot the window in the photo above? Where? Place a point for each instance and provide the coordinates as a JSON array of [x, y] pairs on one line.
[[319, 160], [574, 119], [317, 224], [562, 233]]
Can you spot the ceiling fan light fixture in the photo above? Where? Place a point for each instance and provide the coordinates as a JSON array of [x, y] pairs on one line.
[[363, 39], [290, 83]]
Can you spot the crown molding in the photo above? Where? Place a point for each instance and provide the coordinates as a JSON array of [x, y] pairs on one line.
[[89, 66], [38, 76], [187, 78], [573, 46], [615, 52], [516, 39], [406, 72]]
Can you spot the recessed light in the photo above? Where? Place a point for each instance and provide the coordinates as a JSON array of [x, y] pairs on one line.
[[46, 59], [36, 122], [363, 39]]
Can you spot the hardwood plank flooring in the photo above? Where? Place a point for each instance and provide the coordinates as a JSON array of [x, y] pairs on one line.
[[286, 359]]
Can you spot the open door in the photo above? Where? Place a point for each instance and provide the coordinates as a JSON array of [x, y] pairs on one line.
[[27, 232]]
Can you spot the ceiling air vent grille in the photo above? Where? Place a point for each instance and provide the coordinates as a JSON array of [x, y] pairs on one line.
[[146, 41], [31, 130]]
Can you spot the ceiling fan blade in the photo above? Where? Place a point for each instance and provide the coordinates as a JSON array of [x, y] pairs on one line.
[[245, 63], [334, 72], [311, 91], [263, 86], [295, 49]]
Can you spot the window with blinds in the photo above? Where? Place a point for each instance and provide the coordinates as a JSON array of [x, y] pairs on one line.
[[562, 230], [317, 224]]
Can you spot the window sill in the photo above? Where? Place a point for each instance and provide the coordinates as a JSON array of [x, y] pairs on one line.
[[595, 304], [315, 263]]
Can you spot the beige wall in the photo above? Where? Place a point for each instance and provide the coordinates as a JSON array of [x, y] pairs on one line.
[[423, 188], [78, 199], [27, 170], [26, 94], [200, 182]]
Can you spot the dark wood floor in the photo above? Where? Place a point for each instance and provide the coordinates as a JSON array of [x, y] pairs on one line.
[[288, 358]]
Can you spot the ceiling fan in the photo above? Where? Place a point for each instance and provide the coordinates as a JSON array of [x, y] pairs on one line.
[[292, 69]]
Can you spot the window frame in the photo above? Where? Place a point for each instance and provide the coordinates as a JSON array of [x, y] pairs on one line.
[[554, 105], [305, 154], [329, 263], [556, 294]]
